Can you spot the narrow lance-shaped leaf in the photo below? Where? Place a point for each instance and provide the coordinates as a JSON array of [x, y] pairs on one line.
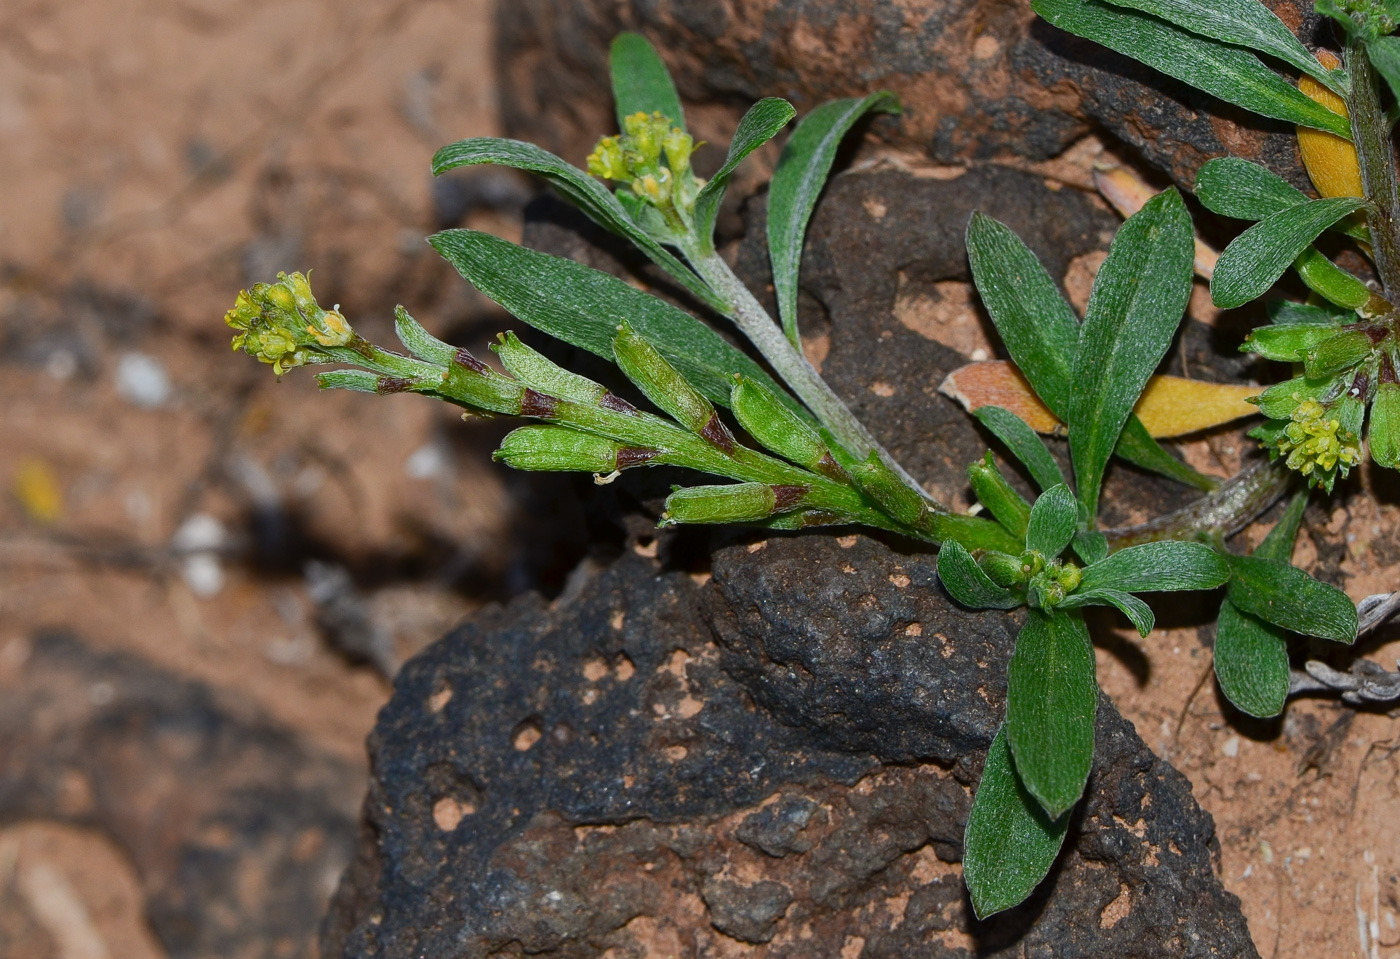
[[1138, 612], [1234, 75], [580, 189], [1010, 843], [583, 306], [1054, 518], [1136, 445], [797, 182], [1036, 324], [640, 81], [1243, 23], [1286, 596], [764, 119], [1256, 258], [967, 583], [1163, 566], [1138, 299], [1021, 440], [1384, 53], [1051, 699]]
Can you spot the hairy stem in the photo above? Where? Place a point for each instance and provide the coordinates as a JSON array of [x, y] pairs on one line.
[[1371, 135], [792, 366], [1227, 510]]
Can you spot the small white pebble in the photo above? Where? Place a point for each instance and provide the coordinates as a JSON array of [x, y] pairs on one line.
[[203, 574], [1231, 747], [426, 462], [142, 380]]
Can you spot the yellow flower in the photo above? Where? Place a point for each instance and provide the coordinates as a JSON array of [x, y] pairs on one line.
[[282, 324], [1315, 441]]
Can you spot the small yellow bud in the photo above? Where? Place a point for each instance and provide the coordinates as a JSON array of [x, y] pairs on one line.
[[281, 323], [679, 146], [607, 162], [1315, 441], [1330, 160]]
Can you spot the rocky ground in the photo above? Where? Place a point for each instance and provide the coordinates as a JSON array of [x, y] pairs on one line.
[[208, 574]]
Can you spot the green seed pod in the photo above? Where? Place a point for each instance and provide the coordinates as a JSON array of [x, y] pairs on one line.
[[885, 487], [774, 425], [474, 384], [664, 385], [1384, 437], [994, 492], [538, 373], [1337, 353], [1330, 281], [419, 341], [1280, 400], [734, 503], [557, 448], [1004, 570], [1287, 344]]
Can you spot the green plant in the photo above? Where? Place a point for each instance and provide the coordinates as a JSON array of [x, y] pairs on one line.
[[803, 459]]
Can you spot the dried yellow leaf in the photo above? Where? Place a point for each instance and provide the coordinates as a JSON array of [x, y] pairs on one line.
[[1330, 160], [36, 487], [1170, 406]]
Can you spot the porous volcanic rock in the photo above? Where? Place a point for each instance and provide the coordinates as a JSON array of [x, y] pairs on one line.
[[775, 755], [978, 80]]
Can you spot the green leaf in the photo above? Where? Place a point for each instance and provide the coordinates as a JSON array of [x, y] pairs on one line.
[[764, 119], [1243, 23], [1137, 446], [1277, 545], [1287, 313], [584, 307], [1288, 342], [1237, 188], [1330, 281], [1384, 53], [580, 189], [1383, 437], [1280, 400], [1138, 612], [967, 583], [1256, 258], [419, 341], [1158, 567], [1036, 324], [1235, 76], [1091, 545], [1051, 698], [1054, 519], [1010, 844], [797, 182], [1251, 662], [640, 81], [1285, 596], [1023, 443], [1137, 301]]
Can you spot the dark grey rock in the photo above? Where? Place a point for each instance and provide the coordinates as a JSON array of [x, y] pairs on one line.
[[748, 913], [978, 80]]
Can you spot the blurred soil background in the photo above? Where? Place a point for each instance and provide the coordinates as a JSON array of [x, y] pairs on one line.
[[206, 575]]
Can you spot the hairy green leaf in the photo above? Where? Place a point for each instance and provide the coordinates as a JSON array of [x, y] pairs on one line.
[[797, 182], [1137, 301], [1251, 662], [1137, 446], [640, 81], [584, 307], [1287, 313], [1021, 440], [580, 189], [1091, 545], [1237, 188], [1286, 343], [1158, 567], [1051, 698], [1243, 23], [1036, 324], [1384, 53], [1010, 844], [967, 583], [1286, 596], [764, 119], [1256, 258], [1054, 518], [1138, 612], [1234, 75]]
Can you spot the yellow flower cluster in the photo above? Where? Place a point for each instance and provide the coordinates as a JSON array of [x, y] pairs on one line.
[[282, 324], [636, 156], [1315, 441]]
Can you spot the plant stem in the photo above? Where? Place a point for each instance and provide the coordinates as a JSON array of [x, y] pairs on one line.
[[1371, 135], [792, 366], [1227, 510]]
